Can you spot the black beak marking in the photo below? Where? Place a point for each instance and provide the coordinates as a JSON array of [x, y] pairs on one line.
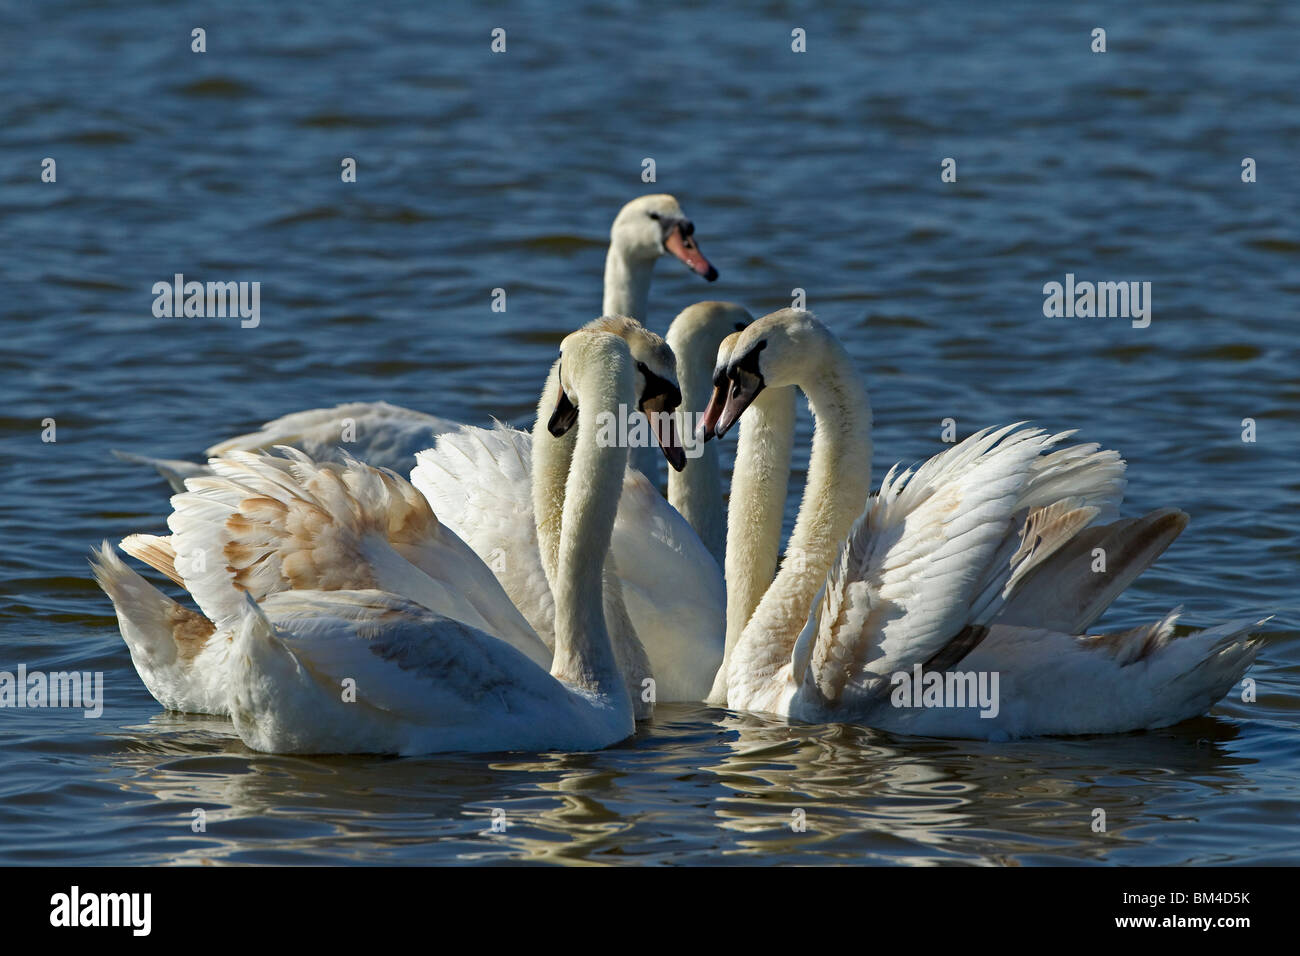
[[564, 417], [655, 386]]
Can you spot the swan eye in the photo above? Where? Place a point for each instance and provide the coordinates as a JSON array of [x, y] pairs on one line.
[[641, 367], [654, 215]]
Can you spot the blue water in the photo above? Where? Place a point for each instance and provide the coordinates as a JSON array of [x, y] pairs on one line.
[[819, 171]]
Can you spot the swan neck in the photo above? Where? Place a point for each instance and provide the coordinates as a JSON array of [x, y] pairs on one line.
[[627, 283], [551, 462], [584, 655], [759, 485], [839, 466], [696, 491], [835, 494]]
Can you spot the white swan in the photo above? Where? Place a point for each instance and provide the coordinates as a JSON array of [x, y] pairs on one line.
[[759, 484], [426, 683], [388, 436], [478, 481], [263, 524], [977, 562], [644, 230], [323, 671]]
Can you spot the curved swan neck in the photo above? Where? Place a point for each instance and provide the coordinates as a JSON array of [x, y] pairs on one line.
[[696, 491], [839, 467], [839, 479], [552, 461], [760, 482], [627, 282], [584, 655]]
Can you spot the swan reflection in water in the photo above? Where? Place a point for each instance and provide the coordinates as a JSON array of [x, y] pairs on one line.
[[696, 785]]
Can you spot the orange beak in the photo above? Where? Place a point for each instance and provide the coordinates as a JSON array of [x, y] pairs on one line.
[[712, 412], [684, 247]]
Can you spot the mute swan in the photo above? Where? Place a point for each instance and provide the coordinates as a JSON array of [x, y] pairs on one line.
[[426, 683], [478, 483], [263, 524], [388, 436], [760, 482], [644, 230], [977, 562]]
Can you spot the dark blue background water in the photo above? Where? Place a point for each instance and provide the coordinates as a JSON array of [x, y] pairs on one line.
[[816, 170]]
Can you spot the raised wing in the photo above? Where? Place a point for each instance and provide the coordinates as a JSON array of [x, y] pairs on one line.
[[908, 574], [263, 524]]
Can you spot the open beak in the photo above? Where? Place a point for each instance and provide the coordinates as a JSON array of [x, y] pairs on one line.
[[564, 417], [712, 412], [740, 396], [664, 424], [681, 243]]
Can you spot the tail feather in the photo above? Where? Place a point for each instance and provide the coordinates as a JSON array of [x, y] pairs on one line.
[[1065, 594], [164, 638], [1219, 658]]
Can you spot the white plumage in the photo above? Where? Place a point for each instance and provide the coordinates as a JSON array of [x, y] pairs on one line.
[[979, 561], [314, 634], [477, 480]]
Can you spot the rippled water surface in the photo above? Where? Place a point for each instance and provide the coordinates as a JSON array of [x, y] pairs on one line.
[[818, 171]]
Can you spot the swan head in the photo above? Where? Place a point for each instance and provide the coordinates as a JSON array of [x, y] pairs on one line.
[[697, 327], [654, 382], [651, 226], [721, 386], [779, 350]]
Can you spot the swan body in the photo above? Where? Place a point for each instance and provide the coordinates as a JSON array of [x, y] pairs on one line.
[[414, 680], [263, 524], [976, 562], [424, 683]]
